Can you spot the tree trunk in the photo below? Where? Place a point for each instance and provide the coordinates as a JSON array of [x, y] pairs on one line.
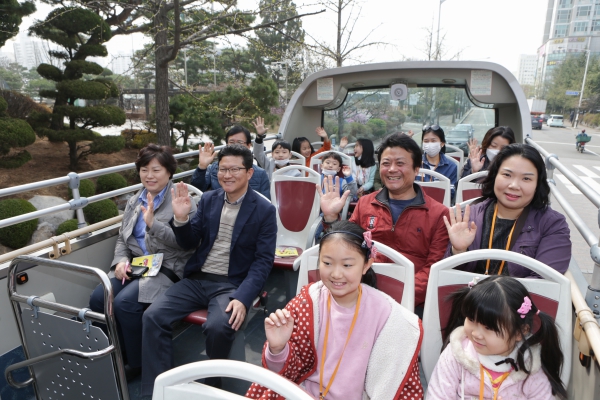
[[73, 159], [161, 81]]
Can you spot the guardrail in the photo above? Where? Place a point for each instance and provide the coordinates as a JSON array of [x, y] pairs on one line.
[[78, 203]]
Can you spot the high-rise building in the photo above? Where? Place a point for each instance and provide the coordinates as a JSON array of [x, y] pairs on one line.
[[527, 69], [29, 53], [572, 27]]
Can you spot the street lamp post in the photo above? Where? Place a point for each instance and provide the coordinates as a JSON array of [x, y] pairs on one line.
[[437, 42], [587, 61]]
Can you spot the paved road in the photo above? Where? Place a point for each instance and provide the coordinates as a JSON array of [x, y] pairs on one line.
[[561, 141]]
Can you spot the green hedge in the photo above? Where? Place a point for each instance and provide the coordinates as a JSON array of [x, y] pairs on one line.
[[142, 140], [110, 182], [99, 211], [14, 133], [67, 226], [15, 161], [16, 236], [86, 189]]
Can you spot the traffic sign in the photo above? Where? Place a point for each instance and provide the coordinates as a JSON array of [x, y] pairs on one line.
[[572, 93]]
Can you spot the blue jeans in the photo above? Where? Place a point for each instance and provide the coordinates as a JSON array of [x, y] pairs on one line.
[[184, 297], [128, 313]]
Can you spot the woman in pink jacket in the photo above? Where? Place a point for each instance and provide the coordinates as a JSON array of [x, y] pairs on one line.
[[503, 347]]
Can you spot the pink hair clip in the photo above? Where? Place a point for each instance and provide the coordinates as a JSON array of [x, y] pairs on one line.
[[474, 282], [369, 244], [525, 307]]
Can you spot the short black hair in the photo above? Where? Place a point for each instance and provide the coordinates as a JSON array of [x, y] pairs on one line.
[[283, 144], [542, 190], [333, 155], [238, 129], [505, 132], [405, 142], [237, 150], [297, 144], [163, 154]]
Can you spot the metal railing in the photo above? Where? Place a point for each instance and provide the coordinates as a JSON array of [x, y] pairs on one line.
[[73, 179]]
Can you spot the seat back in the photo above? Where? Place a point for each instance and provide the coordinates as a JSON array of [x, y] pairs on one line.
[[297, 159], [551, 294], [469, 187], [179, 383], [439, 189], [457, 154], [316, 160], [297, 203], [458, 167], [397, 279]]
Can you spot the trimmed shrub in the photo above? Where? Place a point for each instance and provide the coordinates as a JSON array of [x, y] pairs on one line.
[[143, 140], [67, 226], [21, 106], [14, 133], [15, 161], [16, 236], [99, 211], [107, 183], [86, 189]]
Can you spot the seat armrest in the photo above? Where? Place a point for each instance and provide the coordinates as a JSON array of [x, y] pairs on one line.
[[311, 236]]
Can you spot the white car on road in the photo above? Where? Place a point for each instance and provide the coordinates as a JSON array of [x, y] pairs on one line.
[[555, 120]]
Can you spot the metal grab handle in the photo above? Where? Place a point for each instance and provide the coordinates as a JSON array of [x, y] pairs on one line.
[[31, 361]]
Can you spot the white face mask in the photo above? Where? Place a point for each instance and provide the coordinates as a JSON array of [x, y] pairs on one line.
[[432, 149], [491, 154], [331, 172], [282, 163]]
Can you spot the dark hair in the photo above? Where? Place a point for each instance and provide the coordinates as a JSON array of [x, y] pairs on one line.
[[437, 132], [503, 131], [333, 155], [353, 239], [405, 142], [542, 189], [163, 154], [297, 144], [368, 155], [283, 144], [238, 129], [493, 303], [237, 150]]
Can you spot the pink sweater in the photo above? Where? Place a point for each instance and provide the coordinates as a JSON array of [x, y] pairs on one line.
[[350, 379]]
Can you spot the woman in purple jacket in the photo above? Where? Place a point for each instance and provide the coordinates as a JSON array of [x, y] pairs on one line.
[[513, 214]]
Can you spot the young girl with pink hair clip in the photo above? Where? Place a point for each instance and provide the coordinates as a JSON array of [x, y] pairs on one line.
[[500, 346], [341, 338]]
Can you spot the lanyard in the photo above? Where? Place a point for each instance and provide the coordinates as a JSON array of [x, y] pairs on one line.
[[487, 265], [495, 382], [322, 393]]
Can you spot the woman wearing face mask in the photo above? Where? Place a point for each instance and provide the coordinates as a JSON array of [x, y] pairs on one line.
[[434, 147], [480, 157]]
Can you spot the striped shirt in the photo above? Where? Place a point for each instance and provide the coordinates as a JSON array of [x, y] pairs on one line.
[[217, 260]]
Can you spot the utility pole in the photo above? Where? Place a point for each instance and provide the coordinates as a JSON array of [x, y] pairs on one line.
[[587, 61]]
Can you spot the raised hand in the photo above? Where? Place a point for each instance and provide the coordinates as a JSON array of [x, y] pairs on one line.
[[460, 231], [475, 153], [331, 201], [149, 212], [278, 328], [181, 202], [259, 125], [410, 133], [321, 132], [206, 155], [346, 170], [343, 142]]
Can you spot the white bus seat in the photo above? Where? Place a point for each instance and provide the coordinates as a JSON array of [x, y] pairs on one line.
[[438, 190], [298, 206], [469, 187], [551, 294], [457, 154], [397, 278], [179, 383], [297, 159], [196, 191], [317, 145]]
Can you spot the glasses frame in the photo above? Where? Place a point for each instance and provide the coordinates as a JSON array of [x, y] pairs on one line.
[[224, 171], [239, 143]]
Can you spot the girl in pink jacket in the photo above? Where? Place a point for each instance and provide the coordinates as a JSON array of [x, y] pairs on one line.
[[501, 346]]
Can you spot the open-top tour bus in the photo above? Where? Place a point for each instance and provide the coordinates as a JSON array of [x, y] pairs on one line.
[[51, 350]]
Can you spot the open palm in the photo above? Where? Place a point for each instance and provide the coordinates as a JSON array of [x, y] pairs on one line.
[[460, 231], [181, 203], [278, 329], [331, 201]]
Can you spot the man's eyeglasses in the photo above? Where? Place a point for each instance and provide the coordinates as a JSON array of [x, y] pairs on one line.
[[232, 170], [431, 128], [232, 142]]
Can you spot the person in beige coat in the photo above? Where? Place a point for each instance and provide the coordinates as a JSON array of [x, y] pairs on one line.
[[145, 230]]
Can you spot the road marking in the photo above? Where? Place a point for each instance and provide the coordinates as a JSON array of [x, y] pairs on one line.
[[568, 144], [586, 171], [591, 183], [567, 183]]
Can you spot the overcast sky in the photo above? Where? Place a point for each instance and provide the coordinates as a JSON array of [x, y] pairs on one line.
[[491, 30]]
